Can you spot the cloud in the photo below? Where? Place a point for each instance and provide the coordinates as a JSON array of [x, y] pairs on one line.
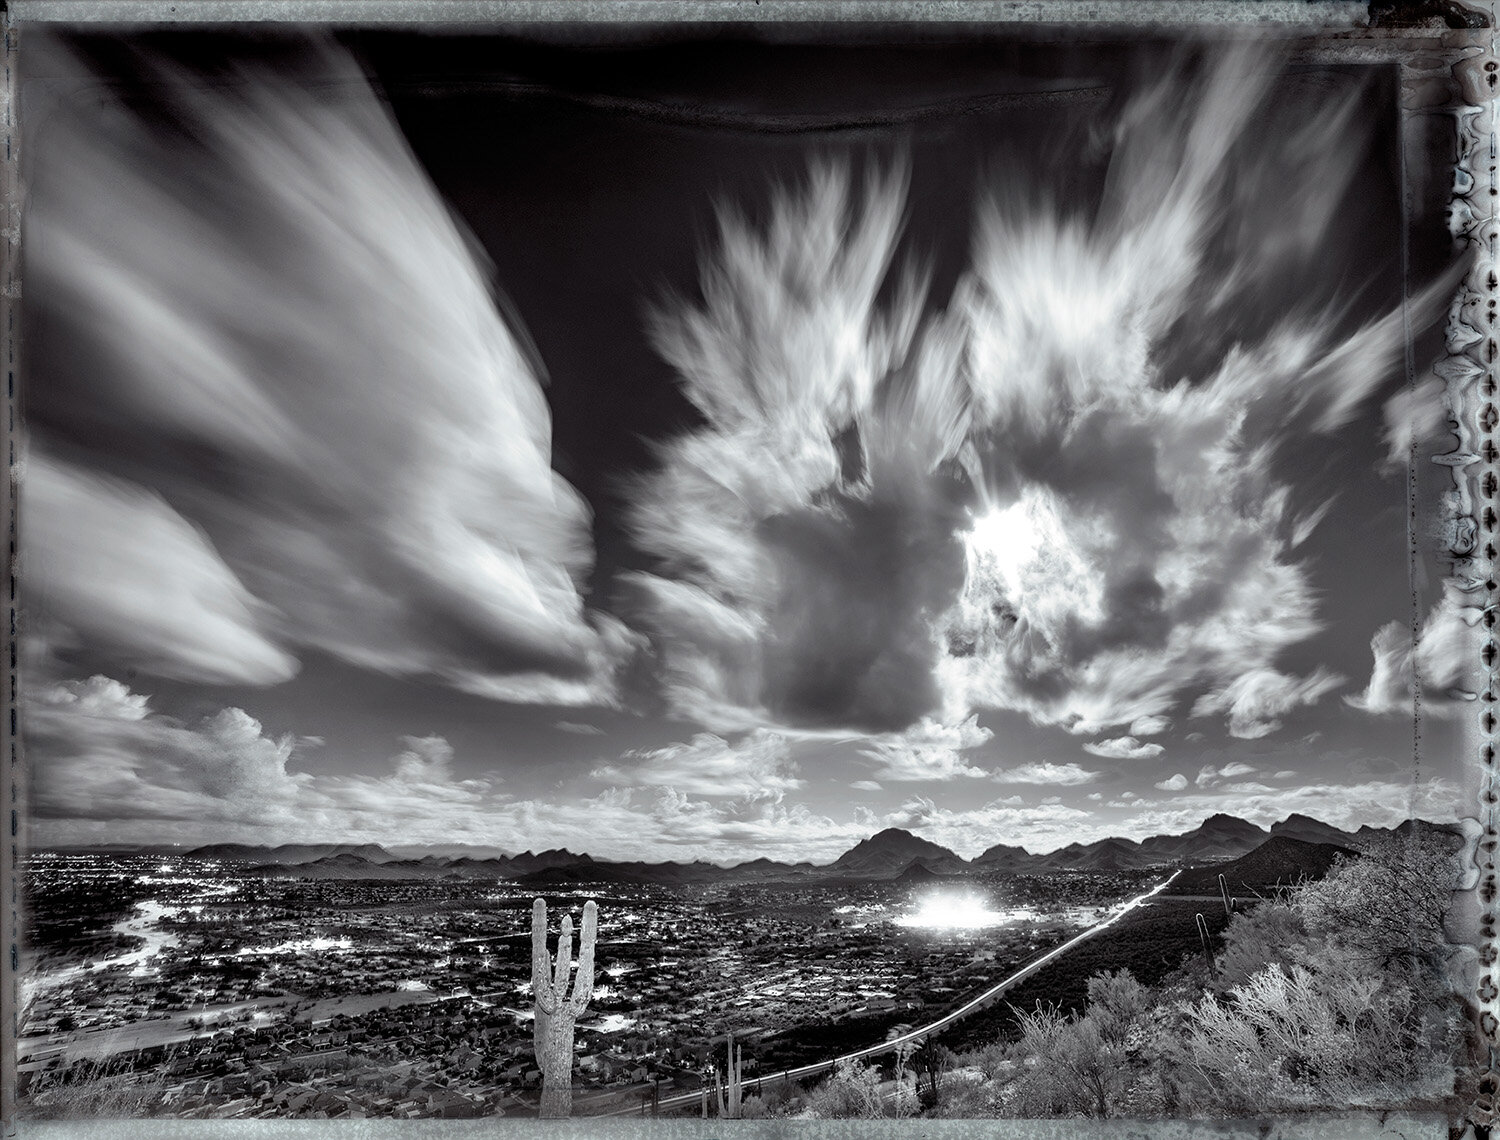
[[1211, 775], [1416, 416], [1123, 748], [1132, 541], [865, 786], [266, 285], [1060, 527], [1257, 700], [1445, 659], [578, 729], [105, 767], [112, 564], [98, 752], [1173, 783], [1150, 725], [808, 528], [426, 760], [928, 751], [757, 766], [1045, 772]]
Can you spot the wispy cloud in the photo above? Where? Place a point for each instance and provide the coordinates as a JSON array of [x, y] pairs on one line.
[[1444, 653], [113, 565], [1257, 700], [1209, 775], [270, 279], [578, 729], [1060, 529]]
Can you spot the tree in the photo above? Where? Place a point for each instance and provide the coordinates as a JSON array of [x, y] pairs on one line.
[[1390, 902]]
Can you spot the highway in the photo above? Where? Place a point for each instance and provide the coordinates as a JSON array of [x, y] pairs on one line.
[[982, 1001]]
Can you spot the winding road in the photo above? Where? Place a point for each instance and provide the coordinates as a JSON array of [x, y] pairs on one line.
[[981, 1001]]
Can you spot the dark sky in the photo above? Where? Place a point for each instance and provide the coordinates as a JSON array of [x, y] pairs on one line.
[[250, 321]]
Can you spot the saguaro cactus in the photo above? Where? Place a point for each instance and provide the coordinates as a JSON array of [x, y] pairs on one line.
[[731, 1093], [557, 1008], [1228, 902], [1208, 951]]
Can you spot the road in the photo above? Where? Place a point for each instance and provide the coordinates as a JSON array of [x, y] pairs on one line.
[[982, 1001]]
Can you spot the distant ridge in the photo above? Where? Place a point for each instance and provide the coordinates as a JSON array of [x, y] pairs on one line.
[[1278, 862], [1219, 842]]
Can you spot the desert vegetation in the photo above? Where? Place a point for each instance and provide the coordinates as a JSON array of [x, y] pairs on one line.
[[1334, 993]]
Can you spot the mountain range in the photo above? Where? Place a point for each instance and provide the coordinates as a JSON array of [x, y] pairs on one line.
[[890, 854]]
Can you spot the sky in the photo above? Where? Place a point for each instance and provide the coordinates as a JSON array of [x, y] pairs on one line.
[[670, 447]]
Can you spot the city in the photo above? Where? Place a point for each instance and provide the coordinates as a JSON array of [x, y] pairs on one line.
[[243, 996]]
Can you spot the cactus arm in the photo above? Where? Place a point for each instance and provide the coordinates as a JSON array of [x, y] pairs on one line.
[[542, 990], [540, 961], [583, 982], [564, 961]]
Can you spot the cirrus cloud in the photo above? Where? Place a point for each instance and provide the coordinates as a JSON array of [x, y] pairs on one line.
[[267, 283]]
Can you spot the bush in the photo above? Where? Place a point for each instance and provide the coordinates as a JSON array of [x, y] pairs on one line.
[[1084, 1064], [853, 1091], [1323, 1033]]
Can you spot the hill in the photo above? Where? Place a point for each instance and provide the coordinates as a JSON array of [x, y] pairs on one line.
[[1278, 862], [889, 852]]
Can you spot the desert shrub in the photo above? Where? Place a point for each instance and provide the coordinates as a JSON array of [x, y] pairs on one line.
[[1268, 934], [98, 1090], [1083, 1064], [966, 1093], [853, 1091], [1324, 1032]]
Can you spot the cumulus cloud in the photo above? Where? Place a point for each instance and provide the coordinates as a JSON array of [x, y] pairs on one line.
[[1444, 657], [757, 766], [1150, 725], [928, 751], [1257, 700], [1173, 783], [1211, 775], [98, 752], [1044, 772], [1123, 748], [265, 283], [105, 766], [426, 760]]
